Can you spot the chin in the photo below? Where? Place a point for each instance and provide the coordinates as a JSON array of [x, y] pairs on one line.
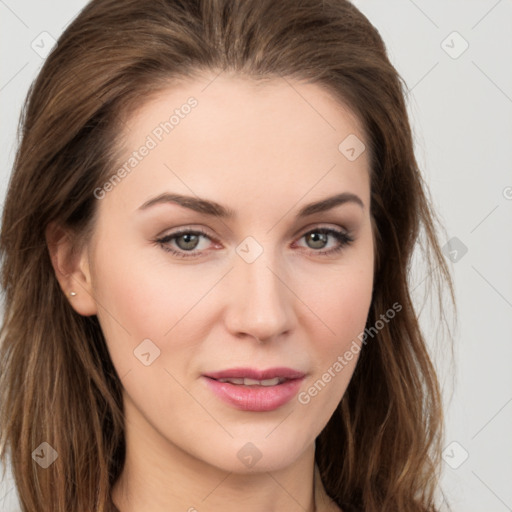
[[258, 454]]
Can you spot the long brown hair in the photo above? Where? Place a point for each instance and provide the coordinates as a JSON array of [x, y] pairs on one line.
[[380, 451]]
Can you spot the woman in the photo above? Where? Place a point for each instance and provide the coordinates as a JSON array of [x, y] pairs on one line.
[[206, 244]]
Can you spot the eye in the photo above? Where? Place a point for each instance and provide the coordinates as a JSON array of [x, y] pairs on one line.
[[318, 238], [186, 242]]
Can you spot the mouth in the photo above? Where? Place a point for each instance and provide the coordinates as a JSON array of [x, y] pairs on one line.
[[255, 390], [254, 382]]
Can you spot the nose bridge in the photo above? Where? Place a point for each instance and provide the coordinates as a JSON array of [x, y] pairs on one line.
[[260, 304]]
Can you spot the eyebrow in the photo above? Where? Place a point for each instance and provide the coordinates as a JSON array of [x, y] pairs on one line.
[[217, 210]]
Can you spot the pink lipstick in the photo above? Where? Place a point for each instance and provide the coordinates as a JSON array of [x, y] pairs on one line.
[[254, 390]]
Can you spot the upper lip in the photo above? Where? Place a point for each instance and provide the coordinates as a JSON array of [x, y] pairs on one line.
[[253, 373]]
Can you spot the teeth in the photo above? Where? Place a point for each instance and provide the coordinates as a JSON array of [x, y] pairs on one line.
[[232, 381], [266, 382], [252, 382]]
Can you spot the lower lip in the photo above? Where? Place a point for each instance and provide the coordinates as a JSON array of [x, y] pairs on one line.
[[255, 398]]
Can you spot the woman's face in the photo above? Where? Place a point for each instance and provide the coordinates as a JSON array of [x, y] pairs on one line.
[[209, 262]]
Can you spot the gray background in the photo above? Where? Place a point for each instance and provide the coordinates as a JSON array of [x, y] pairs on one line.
[[460, 106]]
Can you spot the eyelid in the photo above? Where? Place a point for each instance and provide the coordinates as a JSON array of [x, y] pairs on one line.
[[186, 229]]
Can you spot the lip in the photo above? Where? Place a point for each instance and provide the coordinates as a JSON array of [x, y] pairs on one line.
[[255, 398]]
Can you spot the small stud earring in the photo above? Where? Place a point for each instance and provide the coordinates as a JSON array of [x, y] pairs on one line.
[[72, 294]]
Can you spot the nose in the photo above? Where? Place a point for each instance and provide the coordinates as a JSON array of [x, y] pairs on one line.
[[260, 303]]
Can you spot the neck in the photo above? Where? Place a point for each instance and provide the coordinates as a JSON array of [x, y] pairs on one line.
[[293, 489]]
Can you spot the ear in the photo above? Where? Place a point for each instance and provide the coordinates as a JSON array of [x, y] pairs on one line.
[[71, 268]]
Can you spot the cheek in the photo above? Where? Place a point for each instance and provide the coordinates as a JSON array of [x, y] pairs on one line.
[[340, 300], [345, 312], [343, 307], [348, 303], [140, 298]]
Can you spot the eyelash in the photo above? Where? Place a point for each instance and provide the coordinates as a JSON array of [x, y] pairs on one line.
[[344, 239]]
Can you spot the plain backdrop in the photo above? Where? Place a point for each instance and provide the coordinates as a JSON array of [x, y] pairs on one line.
[[455, 57]]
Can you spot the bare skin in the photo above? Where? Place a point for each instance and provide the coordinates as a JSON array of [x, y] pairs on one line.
[[264, 151]]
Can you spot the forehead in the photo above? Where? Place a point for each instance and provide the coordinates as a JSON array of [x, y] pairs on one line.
[[234, 134]]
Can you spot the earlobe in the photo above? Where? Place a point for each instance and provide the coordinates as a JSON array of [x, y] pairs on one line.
[[71, 267]]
